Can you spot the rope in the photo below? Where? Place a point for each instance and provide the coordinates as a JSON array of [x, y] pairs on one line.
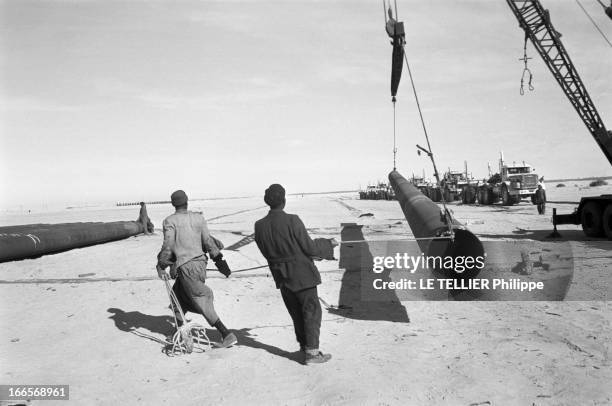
[[174, 305], [594, 23], [187, 337], [246, 269]]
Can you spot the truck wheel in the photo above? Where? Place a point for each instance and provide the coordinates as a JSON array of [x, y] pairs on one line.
[[467, 195], [607, 221], [506, 198], [472, 196], [489, 196], [591, 219], [483, 197], [436, 195]]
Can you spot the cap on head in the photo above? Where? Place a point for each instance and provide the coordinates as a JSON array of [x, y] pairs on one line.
[[275, 196], [178, 198]]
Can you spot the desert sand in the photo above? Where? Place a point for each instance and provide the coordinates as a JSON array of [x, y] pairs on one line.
[[64, 322]]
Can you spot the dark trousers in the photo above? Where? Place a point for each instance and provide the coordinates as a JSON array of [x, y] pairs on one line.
[[305, 311], [541, 208], [192, 293]]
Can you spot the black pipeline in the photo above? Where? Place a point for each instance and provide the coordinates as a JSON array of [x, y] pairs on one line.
[[34, 240], [430, 226]]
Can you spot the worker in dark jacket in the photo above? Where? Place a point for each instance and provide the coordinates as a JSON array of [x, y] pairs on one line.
[[186, 242], [540, 199], [284, 242]]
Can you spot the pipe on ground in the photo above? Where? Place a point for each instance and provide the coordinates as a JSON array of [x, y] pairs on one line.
[[426, 220], [35, 240]]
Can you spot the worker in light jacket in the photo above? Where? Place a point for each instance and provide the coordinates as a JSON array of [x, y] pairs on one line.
[[186, 243], [284, 242]]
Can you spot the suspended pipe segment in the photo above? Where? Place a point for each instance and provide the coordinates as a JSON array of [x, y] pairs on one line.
[[429, 225]]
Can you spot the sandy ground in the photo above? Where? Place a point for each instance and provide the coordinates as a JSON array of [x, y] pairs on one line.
[[103, 338]]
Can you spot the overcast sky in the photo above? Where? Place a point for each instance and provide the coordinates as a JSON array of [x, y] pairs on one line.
[[105, 101]]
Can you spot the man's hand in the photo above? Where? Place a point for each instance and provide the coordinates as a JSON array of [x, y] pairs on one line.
[[222, 265], [173, 271], [161, 273], [334, 242]]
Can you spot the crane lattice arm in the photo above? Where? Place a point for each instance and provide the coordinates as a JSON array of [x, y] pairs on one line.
[[535, 21]]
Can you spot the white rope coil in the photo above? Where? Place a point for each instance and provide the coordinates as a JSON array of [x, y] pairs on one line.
[[189, 337]]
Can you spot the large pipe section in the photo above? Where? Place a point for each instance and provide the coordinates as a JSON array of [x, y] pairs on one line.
[[428, 224], [34, 240]]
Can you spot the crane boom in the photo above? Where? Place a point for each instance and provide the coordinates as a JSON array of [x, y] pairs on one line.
[[535, 21]]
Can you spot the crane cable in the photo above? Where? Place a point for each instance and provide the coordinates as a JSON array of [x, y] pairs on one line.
[[594, 23], [416, 99], [394, 147], [447, 215]]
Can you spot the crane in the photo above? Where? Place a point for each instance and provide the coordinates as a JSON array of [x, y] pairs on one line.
[[593, 213]]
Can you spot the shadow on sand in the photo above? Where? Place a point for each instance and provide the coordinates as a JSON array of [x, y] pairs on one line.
[[357, 261], [245, 338], [134, 322], [130, 321]]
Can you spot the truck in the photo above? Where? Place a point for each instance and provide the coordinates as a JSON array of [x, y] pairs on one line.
[[510, 185], [421, 183], [459, 185], [593, 213], [469, 192], [380, 191], [452, 184]]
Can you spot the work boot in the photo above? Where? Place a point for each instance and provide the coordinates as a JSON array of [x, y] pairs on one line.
[[315, 357], [229, 340], [228, 337]]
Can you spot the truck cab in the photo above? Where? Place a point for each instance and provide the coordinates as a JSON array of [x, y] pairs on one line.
[[510, 185], [519, 182], [453, 183]]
